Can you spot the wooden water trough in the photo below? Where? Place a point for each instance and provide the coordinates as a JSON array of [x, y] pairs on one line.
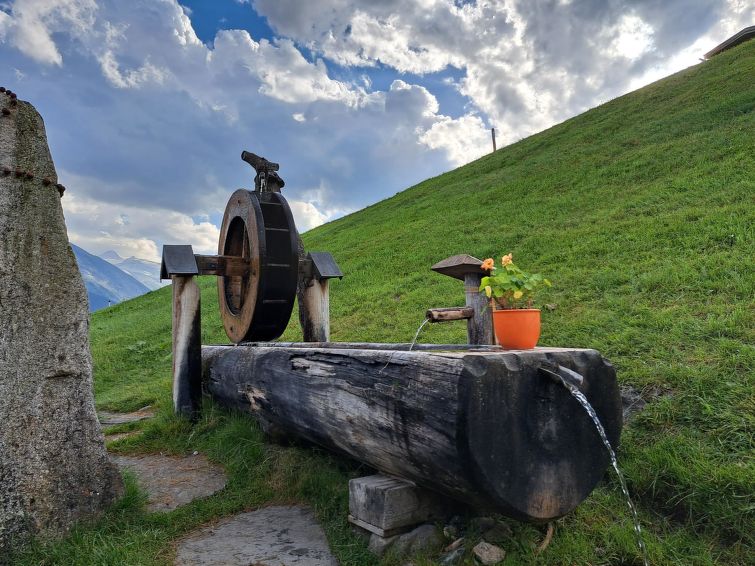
[[491, 427]]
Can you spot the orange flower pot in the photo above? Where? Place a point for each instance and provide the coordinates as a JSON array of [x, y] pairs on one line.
[[517, 329]]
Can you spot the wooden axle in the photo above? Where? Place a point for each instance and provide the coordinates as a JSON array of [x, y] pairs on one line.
[[223, 265], [484, 426]]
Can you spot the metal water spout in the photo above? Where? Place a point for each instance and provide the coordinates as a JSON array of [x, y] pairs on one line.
[[558, 372]]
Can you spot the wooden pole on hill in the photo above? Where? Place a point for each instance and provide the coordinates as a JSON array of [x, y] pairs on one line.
[[492, 133]]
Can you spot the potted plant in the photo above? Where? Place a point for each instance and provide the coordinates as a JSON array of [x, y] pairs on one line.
[[512, 292]]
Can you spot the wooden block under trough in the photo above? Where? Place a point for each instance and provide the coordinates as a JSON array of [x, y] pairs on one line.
[[388, 506]]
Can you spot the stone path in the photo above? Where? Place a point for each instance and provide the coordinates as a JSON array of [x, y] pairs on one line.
[[173, 481], [119, 435], [272, 536], [108, 419]]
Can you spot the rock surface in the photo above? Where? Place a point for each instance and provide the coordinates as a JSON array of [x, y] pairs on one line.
[[273, 536], [488, 554], [53, 466], [173, 481], [421, 538], [109, 419]]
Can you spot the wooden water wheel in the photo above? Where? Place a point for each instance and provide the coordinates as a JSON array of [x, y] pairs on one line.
[[258, 226]]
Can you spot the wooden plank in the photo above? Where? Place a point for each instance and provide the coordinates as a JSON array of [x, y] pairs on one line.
[[481, 426], [449, 314], [187, 346], [223, 265]]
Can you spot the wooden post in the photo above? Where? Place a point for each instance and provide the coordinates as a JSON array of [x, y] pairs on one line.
[[314, 308], [467, 268], [492, 133], [187, 346], [316, 269], [180, 266], [480, 326]]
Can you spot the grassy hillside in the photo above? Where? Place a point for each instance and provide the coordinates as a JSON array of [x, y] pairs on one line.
[[642, 213]]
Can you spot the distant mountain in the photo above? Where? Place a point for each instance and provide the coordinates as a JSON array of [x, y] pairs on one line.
[[145, 271], [106, 283], [111, 256]]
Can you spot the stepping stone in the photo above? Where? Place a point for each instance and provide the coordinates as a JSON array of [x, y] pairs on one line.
[[273, 536], [173, 481], [119, 435], [108, 418]]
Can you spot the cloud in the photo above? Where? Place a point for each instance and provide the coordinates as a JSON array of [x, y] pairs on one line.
[[98, 227], [31, 23], [527, 64], [463, 139], [146, 121]]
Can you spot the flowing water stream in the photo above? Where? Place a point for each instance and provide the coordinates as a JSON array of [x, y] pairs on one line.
[[411, 346], [579, 396]]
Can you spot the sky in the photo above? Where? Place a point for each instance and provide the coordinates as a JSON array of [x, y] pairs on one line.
[[149, 103]]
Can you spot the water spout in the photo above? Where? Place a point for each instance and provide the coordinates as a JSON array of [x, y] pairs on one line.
[[572, 381]]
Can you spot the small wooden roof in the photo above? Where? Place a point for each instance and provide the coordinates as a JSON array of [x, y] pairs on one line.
[[458, 266], [325, 266], [178, 260]]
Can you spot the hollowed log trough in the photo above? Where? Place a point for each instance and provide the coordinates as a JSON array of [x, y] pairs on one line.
[[480, 424]]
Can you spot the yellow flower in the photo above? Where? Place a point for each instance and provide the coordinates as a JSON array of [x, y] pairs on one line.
[[488, 291], [518, 294], [505, 260], [488, 264]]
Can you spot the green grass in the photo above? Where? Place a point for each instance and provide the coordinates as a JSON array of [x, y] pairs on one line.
[[640, 211]]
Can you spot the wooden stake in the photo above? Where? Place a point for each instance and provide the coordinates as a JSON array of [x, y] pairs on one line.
[[492, 133], [187, 346]]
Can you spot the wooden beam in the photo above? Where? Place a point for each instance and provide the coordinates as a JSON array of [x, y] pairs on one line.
[[484, 427], [187, 346], [223, 265]]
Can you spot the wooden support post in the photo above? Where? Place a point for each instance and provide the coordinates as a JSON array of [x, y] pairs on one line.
[[467, 268], [187, 346], [314, 311], [480, 326], [315, 271]]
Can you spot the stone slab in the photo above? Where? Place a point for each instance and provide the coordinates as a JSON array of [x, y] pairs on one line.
[[108, 419], [272, 536], [173, 481]]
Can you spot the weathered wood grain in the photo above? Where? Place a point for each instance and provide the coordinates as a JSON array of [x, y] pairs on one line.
[[314, 310], [187, 346], [480, 326], [482, 426]]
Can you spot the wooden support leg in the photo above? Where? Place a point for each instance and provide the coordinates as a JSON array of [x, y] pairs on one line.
[[314, 311], [187, 346], [480, 326]]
